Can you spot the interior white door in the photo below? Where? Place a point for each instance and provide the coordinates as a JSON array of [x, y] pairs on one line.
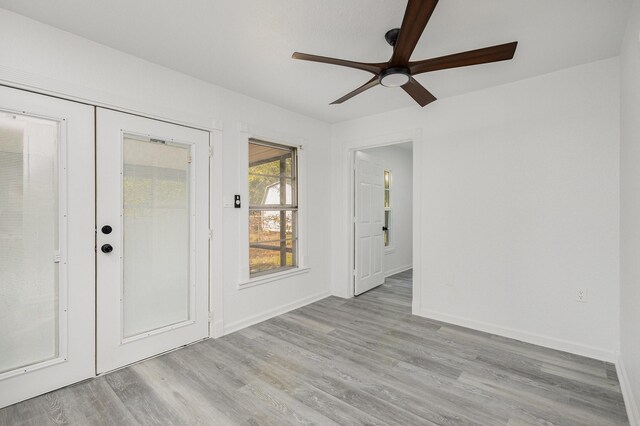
[[47, 237], [152, 237], [369, 214]]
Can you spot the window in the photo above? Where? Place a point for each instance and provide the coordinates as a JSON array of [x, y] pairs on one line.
[[273, 207], [387, 207]]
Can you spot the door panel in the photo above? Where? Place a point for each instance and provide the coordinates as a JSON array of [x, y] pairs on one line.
[[365, 257], [369, 215], [46, 273], [378, 241], [153, 193]]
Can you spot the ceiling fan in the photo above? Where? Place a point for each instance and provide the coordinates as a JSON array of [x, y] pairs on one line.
[[399, 71]]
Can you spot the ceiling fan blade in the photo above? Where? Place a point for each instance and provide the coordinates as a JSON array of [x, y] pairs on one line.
[[368, 85], [419, 94], [416, 17], [502, 52], [372, 68]]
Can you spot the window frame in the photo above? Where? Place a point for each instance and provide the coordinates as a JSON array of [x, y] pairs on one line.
[[282, 208], [246, 132]]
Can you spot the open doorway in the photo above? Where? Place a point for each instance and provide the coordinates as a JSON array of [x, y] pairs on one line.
[[383, 220]]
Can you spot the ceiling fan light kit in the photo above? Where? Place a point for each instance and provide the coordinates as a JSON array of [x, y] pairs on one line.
[[395, 77], [399, 71]]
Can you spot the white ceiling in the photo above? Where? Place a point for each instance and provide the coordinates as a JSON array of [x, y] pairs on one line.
[[246, 45]]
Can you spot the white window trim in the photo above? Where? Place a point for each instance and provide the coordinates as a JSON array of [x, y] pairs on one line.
[[247, 132], [276, 276]]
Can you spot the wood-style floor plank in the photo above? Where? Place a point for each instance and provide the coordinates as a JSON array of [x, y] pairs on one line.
[[362, 361]]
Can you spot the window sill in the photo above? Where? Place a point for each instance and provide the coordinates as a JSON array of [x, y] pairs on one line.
[[389, 250], [276, 276]]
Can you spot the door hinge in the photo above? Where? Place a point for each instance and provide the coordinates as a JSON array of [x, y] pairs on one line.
[[56, 257], [210, 152], [210, 234], [354, 272]]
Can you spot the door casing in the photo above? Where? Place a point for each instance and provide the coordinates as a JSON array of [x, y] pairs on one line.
[[347, 288]]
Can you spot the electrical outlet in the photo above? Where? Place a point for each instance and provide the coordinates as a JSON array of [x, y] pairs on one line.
[[581, 295]]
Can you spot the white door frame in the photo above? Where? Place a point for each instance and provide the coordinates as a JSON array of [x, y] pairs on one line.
[[216, 247], [415, 137]]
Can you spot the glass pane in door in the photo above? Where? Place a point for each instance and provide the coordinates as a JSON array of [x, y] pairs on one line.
[[156, 229], [29, 288]]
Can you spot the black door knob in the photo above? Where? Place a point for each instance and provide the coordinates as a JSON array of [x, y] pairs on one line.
[[106, 229], [106, 248], [384, 228]]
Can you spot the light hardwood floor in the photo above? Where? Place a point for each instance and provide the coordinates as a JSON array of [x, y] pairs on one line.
[[365, 360]]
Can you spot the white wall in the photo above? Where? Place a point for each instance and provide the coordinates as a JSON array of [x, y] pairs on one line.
[[44, 58], [398, 159], [520, 206], [630, 215]]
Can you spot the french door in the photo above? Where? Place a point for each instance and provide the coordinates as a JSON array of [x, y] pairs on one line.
[[101, 220], [152, 237], [47, 259]]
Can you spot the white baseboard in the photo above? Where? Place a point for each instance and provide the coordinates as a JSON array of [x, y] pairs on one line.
[[415, 307], [341, 293], [627, 394], [239, 325], [217, 329], [397, 270], [524, 336]]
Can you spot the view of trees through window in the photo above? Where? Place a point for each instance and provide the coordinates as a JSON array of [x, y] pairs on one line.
[[273, 207]]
